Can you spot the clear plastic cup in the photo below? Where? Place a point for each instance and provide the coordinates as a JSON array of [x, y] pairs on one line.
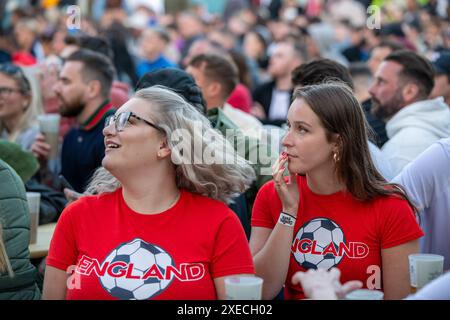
[[49, 126], [34, 201], [243, 288], [365, 294], [424, 268]]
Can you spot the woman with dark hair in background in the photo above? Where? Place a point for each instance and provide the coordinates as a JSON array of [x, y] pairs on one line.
[[335, 208]]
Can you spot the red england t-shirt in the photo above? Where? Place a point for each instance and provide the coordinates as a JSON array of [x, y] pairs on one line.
[[339, 231], [122, 254]]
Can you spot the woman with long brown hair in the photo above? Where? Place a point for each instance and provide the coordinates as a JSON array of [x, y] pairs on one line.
[[334, 209]]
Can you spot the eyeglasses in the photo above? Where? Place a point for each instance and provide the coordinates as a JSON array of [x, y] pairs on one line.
[[120, 121], [6, 91]]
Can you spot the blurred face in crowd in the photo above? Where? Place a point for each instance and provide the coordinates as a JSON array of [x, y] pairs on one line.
[[441, 87], [279, 30], [198, 47], [137, 145], [283, 60], [386, 90], [25, 36], [209, 89], [306, 142], [58, 42], [237, 25], [151, 44], [71, 90], [225, 40], [189, 26], [253, 46], [377, 56], [13, 102]]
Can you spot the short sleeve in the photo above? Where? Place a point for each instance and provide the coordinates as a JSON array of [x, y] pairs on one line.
[[425, 177], [63, 250], [266, 203], [398, 223], [231, 250]]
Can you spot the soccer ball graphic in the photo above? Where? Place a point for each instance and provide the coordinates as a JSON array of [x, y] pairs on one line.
[[143, 256], [322, 231]]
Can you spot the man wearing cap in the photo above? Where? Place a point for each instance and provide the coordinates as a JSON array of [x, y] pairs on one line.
[[442, 77]]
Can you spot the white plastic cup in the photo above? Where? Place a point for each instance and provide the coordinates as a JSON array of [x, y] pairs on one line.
[[365, 294], [243, 288], [424, 268], [49, 126], [34, 201]]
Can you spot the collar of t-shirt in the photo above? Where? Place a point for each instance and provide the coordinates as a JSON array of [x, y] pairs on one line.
[[97, 116]]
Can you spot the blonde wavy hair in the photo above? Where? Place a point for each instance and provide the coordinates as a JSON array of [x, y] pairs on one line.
[[218, 181]]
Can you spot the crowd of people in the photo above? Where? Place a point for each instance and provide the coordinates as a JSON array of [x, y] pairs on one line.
[[304, 142]]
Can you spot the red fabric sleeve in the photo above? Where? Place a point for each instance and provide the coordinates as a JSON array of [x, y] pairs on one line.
[[267, 207], [231, 250], [63, 249], [240, 98], [398, 223]]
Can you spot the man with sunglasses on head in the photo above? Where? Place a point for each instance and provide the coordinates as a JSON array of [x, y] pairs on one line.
[[83, 90]]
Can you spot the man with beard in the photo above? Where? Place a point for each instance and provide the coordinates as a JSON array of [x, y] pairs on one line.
[[403, 83], [83, 89]]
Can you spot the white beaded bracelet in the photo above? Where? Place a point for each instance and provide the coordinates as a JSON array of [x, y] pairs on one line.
[[287, 219]]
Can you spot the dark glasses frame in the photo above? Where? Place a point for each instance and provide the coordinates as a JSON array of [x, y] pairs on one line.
[[120, 120], [8, 90]]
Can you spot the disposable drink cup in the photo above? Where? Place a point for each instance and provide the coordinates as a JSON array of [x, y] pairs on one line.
[[424, 268], [34, 200], [49, 126], [365, 294], [243, 288]]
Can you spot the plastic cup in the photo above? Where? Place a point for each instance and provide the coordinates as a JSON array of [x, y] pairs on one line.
[[49, 126], [243, 288], [424, 268], [34, 200], [365, 294]]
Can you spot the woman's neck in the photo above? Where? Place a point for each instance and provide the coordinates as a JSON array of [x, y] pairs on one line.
[[324, 182], [11, 123], [150, 194]]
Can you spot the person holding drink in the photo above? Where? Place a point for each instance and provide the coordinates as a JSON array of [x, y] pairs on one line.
[[334, 209], [83, 90]]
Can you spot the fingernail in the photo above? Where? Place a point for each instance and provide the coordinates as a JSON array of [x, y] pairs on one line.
[[284, 154]]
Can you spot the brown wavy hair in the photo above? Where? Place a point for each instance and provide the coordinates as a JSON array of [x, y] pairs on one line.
[[341, 114]]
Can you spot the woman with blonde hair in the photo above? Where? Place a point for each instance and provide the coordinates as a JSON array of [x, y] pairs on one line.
[[159, 229], [20, 104]]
